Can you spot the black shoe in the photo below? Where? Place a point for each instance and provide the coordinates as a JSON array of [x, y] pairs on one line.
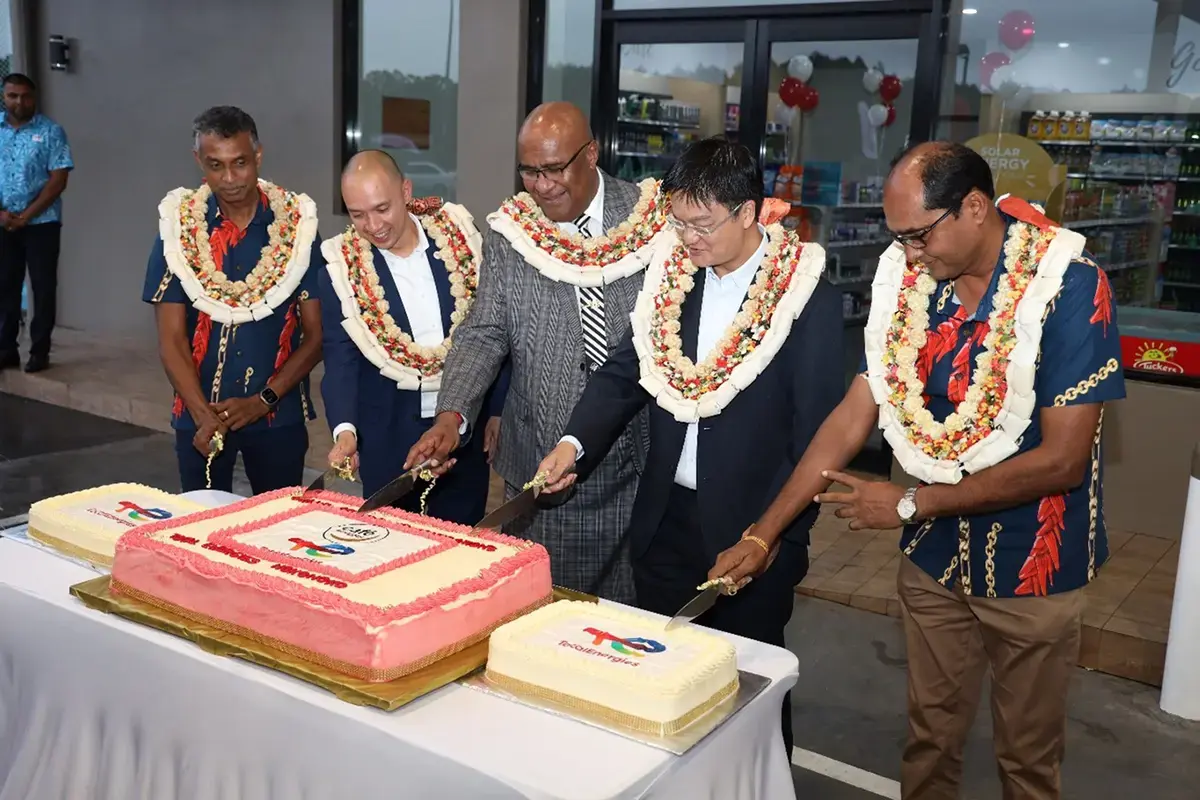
[[37, 363], [9, 360]]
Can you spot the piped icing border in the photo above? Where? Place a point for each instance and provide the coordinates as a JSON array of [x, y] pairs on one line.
[[229, 537], [148, 538]]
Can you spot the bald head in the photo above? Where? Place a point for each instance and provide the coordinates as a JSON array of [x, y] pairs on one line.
[[377, 195], [557, 160]]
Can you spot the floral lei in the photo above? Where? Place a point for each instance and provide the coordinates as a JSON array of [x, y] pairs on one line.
[[569, 257], [782, 287], [998, 405], [351, 265], [183, 226]]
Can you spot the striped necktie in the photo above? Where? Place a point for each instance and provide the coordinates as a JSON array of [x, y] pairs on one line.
[[591, 311]]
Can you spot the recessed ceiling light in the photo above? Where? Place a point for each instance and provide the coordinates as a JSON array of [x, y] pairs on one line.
[[1104, 62], [1064, 45], [970, 11]]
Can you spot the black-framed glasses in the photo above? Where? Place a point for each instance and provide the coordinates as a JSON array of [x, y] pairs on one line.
[[917, 238], [682, 227], [554, 171]]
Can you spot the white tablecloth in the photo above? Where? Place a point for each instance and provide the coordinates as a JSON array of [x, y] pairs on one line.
[[93, 707]]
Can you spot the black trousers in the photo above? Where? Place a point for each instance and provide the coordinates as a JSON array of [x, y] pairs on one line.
[[273, 457], [675, 563], [35, 247]]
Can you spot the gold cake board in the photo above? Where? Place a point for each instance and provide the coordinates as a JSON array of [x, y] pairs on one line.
[[388, 696]]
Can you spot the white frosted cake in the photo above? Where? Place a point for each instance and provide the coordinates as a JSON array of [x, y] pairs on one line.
[[615, 663], [87, 524]]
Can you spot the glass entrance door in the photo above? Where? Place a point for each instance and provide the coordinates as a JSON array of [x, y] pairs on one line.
[[669, 85]]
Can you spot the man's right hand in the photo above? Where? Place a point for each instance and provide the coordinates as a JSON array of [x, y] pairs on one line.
[[559, 467], [344, 447], [437, 443], [204, 434]]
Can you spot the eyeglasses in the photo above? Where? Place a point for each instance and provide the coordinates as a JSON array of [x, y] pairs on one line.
[[683, 227], [917, 238], [554, 171]]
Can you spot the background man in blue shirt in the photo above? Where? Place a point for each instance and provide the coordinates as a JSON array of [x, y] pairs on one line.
[[237, 352], [34, 161]]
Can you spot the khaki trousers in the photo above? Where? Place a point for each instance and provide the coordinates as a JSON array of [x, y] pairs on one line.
[[1031, 645]]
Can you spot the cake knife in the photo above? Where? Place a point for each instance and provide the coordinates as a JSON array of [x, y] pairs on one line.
[[709, 592], [343, 471], [394, 490], [520, 505]]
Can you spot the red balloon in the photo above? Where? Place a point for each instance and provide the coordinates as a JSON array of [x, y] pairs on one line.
[[1015, 29], [789, 91], [891, 117], [889, 88], [989, 64], [809, 98]]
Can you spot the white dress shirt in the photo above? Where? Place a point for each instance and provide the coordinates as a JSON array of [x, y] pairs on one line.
[[720, 301], [595, 213], [413, 276]]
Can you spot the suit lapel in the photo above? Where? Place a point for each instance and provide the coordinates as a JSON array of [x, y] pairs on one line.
[[390, 292], [441, 278], [689, 318], [622, 294]]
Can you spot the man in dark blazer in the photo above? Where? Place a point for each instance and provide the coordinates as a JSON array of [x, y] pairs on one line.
[[380, 397], [717, 457], [533, 308]]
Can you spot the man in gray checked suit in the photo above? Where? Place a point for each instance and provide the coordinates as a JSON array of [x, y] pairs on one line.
[[556, 334]]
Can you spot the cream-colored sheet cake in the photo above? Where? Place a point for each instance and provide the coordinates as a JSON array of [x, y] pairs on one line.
[[87, 524], [617, 663]]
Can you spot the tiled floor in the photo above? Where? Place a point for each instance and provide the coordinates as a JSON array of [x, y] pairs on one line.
[[1129, 605]]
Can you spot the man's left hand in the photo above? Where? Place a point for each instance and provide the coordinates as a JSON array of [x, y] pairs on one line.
[[14, 222], [868, 504], [491, 438], [238, 412]]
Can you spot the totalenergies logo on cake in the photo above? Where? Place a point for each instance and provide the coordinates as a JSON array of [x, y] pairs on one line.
[[319, 550], [636, 647], [139, 514]]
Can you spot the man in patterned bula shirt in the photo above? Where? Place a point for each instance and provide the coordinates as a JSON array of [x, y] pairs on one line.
[[995, 405]]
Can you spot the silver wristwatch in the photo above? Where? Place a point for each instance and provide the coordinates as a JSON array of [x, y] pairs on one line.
[[907, 507]]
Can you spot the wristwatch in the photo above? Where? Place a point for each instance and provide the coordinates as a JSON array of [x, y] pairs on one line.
[[268, 396], [907, 507]]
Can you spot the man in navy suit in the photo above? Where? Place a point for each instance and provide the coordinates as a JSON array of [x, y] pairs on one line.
[[717, 453], [396, 286]]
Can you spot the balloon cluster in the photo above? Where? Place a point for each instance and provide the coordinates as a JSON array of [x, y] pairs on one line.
[[795, 90], [882, 114], [1015, 30]]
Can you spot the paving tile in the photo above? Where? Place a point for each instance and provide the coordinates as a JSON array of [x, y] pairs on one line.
[[1118, 539], [877, 605], [1137, 629], [1149, 603], [1130, 657], [1089, 645], [1152, 547]]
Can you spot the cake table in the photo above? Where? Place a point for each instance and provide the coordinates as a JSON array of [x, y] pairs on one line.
[[99, 707]]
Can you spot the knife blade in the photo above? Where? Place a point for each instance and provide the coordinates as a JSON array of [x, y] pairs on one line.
[[709, 592], [506, 513], [394, 490], [342, 471]]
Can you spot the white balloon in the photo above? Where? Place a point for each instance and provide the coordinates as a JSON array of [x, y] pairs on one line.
[[1004, 75], [784, 114], [877, 115], [800, 68], [871, 80]]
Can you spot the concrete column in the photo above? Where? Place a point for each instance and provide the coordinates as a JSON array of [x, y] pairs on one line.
[[20, 25], [1162, 51], [950, 67], [491, 100]]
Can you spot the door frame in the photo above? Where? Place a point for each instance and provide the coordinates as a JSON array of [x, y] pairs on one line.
[[758, 27]]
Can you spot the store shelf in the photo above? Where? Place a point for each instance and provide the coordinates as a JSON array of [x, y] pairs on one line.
[[1096, 223], [1184, 247], [859, 281], [635, 154], [654, 123], [1118, 143], [859, 243], [1181, 285], [1126, 265]]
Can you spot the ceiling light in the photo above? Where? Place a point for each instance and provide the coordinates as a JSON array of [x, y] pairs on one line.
[[969, 11], [1064, 45], [1104, 62]]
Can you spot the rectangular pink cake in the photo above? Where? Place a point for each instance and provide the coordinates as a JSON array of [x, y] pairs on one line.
[[375, 596]]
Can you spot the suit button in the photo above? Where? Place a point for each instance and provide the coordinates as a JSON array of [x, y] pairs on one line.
[[583, 366]]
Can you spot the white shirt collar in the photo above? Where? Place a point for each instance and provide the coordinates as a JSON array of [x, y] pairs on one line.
[[741, 277], [595, 209], [419, 250]]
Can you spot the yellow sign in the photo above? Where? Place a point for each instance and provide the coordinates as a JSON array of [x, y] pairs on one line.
[[1021, 167]]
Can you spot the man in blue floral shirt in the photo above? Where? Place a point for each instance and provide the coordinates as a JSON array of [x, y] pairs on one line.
[[990, 353], [34, 161]]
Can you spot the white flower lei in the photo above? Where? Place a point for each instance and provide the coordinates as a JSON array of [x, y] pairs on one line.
[[183, 226], [365, 316], [774, 301]]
